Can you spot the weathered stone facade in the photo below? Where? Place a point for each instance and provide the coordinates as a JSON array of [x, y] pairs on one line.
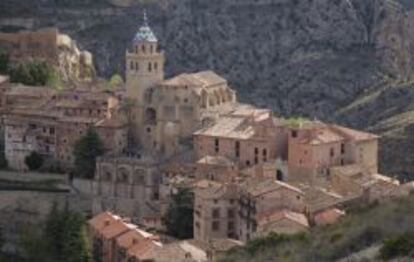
[[51, 46]]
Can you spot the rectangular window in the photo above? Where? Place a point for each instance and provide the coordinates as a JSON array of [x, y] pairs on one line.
[[342, 148], [230, 226], [215, 225], [332, 153], [216, 213], [216, 145], [294, 133], [237, 149]]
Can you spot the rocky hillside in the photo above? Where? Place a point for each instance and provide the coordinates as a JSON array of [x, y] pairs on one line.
[[342, 60]]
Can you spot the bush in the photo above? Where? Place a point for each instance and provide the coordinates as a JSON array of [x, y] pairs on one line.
[[34, 161], [399, 246], [34, 73]]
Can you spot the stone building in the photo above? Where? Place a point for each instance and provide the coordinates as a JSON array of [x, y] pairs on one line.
[[120, 241], [248, 136], [215, 211], [260, 198], [51, 46], [167, 112], [128, 186], [50, 122], [315, 147]]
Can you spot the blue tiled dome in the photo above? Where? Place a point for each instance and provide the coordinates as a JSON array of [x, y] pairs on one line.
[[145, 34]]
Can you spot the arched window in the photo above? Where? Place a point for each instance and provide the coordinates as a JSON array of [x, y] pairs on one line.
[[149, 67], [150, 116]]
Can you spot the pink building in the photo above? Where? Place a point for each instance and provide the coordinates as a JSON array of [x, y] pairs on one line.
[[315, 147], [247, 136]]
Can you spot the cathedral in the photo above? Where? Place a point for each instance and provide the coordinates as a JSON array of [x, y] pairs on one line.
[[166, 112]]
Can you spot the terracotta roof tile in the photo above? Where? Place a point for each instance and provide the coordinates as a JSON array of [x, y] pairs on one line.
[[273, 216]]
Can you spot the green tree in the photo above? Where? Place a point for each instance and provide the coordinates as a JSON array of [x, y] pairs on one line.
[[115, 81], [36, 73], [34, 161], [86, 150], [64, 237], [179, 216]]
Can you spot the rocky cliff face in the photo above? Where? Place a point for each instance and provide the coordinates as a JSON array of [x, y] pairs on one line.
[[308, 57]]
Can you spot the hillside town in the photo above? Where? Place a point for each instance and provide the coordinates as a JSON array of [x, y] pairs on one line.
[[250, 172]]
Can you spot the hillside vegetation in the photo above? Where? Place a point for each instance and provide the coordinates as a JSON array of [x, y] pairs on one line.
[[390, 223]]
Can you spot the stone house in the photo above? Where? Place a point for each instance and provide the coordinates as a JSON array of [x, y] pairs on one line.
[[247, 136], [50, 122], [315, 147], [215, 211], [263, 196], [281, 222]]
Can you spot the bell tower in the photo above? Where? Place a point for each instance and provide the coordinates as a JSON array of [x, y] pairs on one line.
[[144, 63]]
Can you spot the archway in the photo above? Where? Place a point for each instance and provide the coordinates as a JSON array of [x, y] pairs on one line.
[[122, 176]]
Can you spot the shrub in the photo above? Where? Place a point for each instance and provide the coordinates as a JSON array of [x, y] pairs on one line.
[[399, 246]]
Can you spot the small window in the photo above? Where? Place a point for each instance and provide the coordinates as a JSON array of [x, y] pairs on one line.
[[237, 149], [215, 225], [216, 213], [294, 133]]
